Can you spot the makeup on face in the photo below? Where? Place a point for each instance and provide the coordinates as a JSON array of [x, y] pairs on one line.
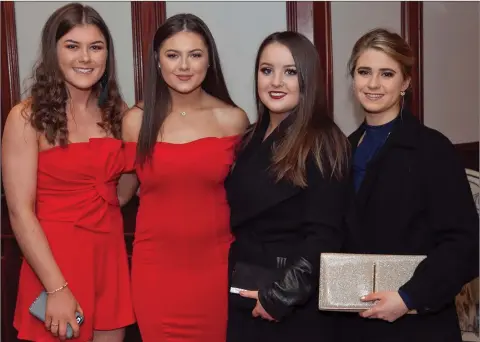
[[378, 82], [277, 82], [82, 56], [183, 61]]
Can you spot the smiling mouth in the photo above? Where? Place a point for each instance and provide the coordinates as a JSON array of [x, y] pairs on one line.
[[83, 70], [277, 95], [373, 97], [184, 77]]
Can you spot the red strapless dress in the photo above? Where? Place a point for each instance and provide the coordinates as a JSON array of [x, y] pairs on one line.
[[182, 239], [78, 210]]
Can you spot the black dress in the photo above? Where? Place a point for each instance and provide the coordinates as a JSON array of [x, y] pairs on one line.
[[279, 221]]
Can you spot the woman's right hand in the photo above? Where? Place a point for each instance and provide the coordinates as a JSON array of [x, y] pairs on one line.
[[61, 309]]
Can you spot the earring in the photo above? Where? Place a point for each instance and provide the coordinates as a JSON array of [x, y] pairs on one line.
[[402, 93]]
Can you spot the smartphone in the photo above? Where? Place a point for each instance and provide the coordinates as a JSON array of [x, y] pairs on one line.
[[39, 308]]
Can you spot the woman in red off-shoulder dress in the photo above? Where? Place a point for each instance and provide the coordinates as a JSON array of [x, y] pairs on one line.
[[62, 161], [182, 143]]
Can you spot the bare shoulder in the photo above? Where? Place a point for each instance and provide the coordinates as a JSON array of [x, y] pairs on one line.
[[131, 123], [18, 131], [19, 115], [233, 120]]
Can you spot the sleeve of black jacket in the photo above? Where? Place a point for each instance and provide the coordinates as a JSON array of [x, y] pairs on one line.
[[452, 213], [325, 201]]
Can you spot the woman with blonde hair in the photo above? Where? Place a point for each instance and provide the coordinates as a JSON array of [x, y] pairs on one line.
[[411, 196]]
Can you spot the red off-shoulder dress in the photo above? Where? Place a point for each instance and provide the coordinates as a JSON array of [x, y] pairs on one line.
[[182, 239]]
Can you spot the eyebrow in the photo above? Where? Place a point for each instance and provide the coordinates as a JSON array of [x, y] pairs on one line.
[[285, 66], [75, 42], [177, 51], [381, 69]]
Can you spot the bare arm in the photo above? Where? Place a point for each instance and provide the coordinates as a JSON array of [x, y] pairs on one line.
[[19, 166], [131, 123], [128, 183], [126, 188]]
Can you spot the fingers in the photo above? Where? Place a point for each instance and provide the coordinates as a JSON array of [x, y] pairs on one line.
[[249, 294], [48, 322], [75, 328], [62, 330], [370, 313], [54, 326], [266, 316], [79, 310], [372, 296], [259, 311]]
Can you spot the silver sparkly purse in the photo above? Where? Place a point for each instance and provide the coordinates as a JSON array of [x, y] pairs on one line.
[[344, 278]]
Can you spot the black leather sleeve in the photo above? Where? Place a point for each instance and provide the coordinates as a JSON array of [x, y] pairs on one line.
[[293, 289]]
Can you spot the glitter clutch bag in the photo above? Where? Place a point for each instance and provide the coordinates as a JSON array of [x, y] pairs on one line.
[[344, 278]]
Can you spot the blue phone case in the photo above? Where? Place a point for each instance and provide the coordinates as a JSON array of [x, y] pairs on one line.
[[39, 307]]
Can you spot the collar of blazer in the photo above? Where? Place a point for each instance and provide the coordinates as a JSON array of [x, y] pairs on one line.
[[251, 187], [405, 135]]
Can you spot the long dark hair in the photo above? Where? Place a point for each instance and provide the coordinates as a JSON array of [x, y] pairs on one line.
[[157, 99], [311, 131], [49, 94]]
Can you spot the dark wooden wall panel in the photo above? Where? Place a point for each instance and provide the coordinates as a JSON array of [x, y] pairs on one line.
[[10, 95], [312, 19], [412, 32], [146, 18], [9, 59]]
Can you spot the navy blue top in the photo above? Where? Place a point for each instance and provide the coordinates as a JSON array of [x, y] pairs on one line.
[[373, 140]]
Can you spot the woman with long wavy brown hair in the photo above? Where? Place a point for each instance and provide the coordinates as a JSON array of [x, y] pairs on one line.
[[286, 194], [62, 161]]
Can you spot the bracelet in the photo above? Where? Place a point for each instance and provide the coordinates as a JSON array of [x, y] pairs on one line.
[[59, 289]]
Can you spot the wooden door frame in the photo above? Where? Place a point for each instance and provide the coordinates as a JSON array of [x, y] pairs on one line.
[[147, 16], [313, 19]]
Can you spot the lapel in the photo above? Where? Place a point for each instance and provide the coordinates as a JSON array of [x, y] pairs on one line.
[[251, 186], [404, 135]]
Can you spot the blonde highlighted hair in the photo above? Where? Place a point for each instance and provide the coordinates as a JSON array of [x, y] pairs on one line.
[[387, 42]]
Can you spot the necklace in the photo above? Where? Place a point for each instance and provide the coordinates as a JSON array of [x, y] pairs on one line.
[[183, 113]]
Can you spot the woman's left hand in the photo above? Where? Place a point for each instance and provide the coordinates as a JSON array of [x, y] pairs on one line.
[[258, 311], [389, 306]]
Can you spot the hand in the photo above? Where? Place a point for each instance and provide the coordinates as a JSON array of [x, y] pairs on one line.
[[389, 306], [258, 310], [61, 309]]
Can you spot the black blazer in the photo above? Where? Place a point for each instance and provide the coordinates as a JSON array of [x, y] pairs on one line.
[[279, 221], [270, 219], [415, 199]]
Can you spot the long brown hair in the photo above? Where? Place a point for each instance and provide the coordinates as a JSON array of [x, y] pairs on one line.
[[157, 100], [49, 93], [311, 132]]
